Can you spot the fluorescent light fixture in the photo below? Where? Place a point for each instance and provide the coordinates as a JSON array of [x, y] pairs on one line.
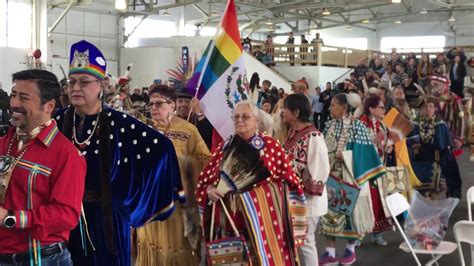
[[166, 13], [349, 28], [121, 4], [326, 12], [424, 11], [451, 19], [398, 21], [366, 20], [269, 22], [396, 1], [214, 13]]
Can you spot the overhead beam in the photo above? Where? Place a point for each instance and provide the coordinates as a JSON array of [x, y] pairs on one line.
[[200, 10], [246, 25]]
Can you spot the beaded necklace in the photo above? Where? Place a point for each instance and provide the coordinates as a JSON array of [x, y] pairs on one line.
[[74, 135], [427, 130]]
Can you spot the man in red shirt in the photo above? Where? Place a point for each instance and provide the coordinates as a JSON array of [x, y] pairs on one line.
[[41, 177]]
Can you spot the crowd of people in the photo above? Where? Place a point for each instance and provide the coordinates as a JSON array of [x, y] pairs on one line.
[[93, 174]]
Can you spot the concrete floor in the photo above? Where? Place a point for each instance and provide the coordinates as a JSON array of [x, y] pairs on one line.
[[371, 255]]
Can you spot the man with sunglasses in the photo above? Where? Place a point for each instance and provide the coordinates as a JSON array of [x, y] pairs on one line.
[[132, 170], [41, 177]]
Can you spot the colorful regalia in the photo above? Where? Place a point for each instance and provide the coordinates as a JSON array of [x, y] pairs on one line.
[[382, 220], [176, 240], [132, 178], [342, 135], [308, 154], [435, 158], [271, 215]]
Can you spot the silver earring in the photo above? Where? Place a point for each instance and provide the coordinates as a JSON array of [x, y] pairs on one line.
[[101, 95]]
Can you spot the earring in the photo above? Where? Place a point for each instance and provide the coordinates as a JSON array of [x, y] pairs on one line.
[[101, 95]]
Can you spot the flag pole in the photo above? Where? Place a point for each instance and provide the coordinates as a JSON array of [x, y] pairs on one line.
[[209, 53], [204, 67]]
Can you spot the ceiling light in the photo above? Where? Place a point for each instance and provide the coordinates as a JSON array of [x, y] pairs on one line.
[[121, 4], [326, 12], [396, 1], [166, 13], [424, 11], [398, 21], [451, 19], [214, 13], [349, 28], [269, 22], [366, 20]]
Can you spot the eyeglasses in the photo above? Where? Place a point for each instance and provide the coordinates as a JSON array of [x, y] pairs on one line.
[[157, 104], [81, 83], [243, 118]]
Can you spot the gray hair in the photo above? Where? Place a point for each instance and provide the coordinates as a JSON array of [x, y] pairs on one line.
[[252, 107]]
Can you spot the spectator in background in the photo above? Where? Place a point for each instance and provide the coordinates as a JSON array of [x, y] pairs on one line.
[[264, 93], [137, 95], [400, 102], [377, 66], [325, 98], [317, 108], [457, 72], [4, 109], [458, 50], [360, 69], [400, 71], [412, 94], [390, 76], [303, 50], [247, 45], [440, 65], [412, 55], [267, 106], [270, 49], [394, 59], [425, 68], [291, 48], [410, 69], [316, 40], [375, 56]]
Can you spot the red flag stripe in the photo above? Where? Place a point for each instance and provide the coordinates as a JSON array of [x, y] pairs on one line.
[[230, 24]]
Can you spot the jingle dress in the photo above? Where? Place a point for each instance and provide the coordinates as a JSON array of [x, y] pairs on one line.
[[348, 134]]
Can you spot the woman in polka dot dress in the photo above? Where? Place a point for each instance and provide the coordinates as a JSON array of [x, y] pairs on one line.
[[272, 214]]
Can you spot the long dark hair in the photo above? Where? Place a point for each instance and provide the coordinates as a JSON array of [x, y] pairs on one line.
[[300, 103], [254, 81], [371, 102]]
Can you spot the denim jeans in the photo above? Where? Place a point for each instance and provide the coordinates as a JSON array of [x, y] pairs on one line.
[[59, 259]]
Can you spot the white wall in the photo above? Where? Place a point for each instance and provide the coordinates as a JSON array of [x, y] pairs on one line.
[[99, 29], [341, 32], [415, 29], [253, 65], [311, 74], [11, 60]]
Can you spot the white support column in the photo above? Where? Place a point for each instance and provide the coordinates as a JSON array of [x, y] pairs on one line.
[[181, 20], [40, 28]]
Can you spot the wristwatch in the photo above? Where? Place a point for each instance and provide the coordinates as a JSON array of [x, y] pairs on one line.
[[10, 220]]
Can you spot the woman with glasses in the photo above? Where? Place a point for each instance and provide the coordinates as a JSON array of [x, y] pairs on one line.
[[374, 112], [251, 174], [308, 153], [175, 241], [353, 161], [132, 170]]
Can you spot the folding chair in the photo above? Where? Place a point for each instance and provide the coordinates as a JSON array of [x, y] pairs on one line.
[[464, 232], [397, 204], [470, 200]]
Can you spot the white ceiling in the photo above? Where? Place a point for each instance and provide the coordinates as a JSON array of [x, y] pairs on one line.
[[298, 16]]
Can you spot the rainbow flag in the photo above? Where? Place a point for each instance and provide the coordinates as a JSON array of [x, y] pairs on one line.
[[222, 73]]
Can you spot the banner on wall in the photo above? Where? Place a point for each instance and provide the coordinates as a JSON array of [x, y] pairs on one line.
[[185, 58]]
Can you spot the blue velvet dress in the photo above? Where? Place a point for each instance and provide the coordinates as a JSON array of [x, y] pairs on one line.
[[144, 185]]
